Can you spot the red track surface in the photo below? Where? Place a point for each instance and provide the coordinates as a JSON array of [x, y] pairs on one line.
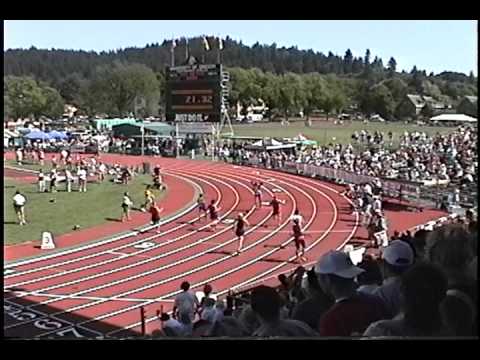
[[100, 289]]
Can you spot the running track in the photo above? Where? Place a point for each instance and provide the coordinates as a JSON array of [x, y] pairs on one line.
[[97, 290]]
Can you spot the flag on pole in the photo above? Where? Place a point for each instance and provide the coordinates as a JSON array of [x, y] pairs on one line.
[[174, 44], [220, 43], [206, 44]]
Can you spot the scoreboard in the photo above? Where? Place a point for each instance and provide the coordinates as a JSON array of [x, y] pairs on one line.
[[194, 89]]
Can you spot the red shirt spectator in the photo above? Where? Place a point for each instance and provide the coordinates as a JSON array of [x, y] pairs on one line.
[[352, 312]]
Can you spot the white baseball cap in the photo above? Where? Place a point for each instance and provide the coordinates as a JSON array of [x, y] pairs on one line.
[[337, 263], [398, 253]]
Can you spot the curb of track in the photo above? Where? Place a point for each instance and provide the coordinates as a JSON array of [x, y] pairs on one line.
[[118, 236]]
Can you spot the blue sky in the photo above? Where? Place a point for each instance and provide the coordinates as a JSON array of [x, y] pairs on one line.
[[434, 45]]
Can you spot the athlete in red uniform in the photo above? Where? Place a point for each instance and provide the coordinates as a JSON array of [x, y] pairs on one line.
[[299, 240], [257, 190], [275, 204], [202, 207], [156, 211], [213, 211], [240, 231]]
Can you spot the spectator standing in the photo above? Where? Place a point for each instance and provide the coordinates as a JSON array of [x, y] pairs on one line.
[[41, 181], [185, 303], [19, 202], [82, 179], [396, 259], [19, 156], [68, 179], [53, 180], [423, 288], [352, 311], [126, 206]]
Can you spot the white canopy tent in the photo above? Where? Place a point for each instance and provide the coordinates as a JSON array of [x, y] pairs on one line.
[[454, 118], [269, 144]]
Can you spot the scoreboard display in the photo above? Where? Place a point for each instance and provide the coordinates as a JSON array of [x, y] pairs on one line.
[[194, 89]]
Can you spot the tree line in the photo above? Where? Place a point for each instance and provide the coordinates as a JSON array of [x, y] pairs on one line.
[[288, 79]]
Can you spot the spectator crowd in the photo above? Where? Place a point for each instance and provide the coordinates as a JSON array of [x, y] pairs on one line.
[[420, 157], [421, 285]]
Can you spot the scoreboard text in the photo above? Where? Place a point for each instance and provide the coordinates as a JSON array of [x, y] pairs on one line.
[[193, 89]]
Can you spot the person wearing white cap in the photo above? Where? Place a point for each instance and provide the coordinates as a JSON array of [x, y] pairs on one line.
[[352, 311], [397, 258]]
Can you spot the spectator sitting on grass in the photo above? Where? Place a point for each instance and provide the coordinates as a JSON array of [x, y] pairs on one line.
[[352, 311], [370, 280], [423, 288], [315, 305], [396, 259], [266, 303]]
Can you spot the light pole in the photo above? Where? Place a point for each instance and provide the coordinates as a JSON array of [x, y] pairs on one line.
[[177, 148], [143, 137]]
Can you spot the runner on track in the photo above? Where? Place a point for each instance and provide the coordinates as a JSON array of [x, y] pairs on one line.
[[149, 198], [156, 211], [275, 204], [257, 190], [213, 211], [297, 218], [299, 239], [202, 207], [240, 224]]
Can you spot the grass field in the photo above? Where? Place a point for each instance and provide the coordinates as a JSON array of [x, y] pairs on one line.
[[100, 204], [326, 132]]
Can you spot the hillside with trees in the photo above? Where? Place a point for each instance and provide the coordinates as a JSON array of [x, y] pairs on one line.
[[37, 82]]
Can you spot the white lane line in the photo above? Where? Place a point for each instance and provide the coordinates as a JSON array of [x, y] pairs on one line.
[[136, 264], [309, 231], [73, 297], [188, 259], [61, 321], [276, 267], [108, 272], [85, 257], [178, 276], [92, 245], [226, 257]]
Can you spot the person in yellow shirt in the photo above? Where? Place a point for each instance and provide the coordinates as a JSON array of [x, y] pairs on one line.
[[149, 198]]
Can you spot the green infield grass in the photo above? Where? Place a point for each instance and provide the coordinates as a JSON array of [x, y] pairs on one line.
[[59, 212]]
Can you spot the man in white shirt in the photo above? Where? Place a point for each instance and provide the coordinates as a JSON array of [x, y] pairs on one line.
[[82, 179], [41, 181], [19, 206], [186, 302], [68, 179]]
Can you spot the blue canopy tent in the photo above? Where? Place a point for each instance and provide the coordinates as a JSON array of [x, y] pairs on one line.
[[57, 135], [37, 135]]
